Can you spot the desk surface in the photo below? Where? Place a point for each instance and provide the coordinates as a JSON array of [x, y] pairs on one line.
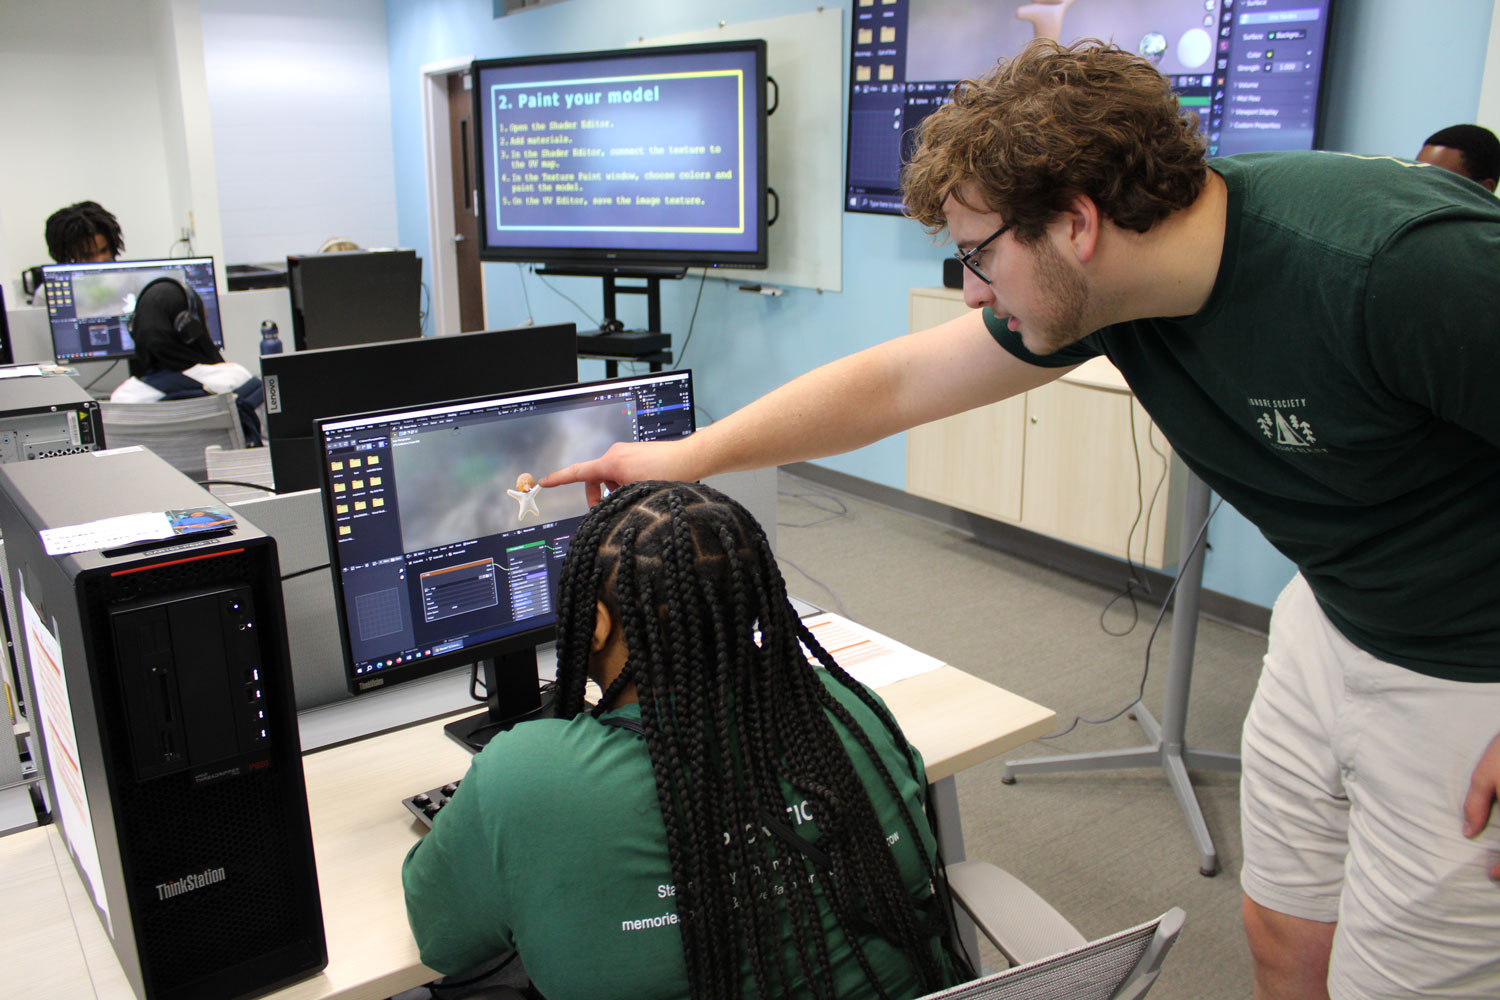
[[361, 833]]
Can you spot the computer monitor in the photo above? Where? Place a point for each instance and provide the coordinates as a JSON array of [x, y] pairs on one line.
[[644, 156], [354, 297], [441, 554], [89, 305], [304, 386], [1253, 72]]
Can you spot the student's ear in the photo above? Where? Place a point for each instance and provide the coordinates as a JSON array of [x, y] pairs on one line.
[[1081, 220], [604, 624]]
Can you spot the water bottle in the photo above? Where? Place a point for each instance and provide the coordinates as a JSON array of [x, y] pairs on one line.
[[270, 338]]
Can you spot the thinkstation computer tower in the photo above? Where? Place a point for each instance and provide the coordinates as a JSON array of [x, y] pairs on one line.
[[169, 730], [47, 416]]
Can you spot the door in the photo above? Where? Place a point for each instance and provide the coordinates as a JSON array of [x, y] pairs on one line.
[[465, 218]]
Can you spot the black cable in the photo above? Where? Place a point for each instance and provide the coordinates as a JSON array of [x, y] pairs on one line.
[[1146, 672], [304, 572], [525, 295], [558, 291], [1136, 582], [105, 372], [237, 482], [833, 514], [689, 338]]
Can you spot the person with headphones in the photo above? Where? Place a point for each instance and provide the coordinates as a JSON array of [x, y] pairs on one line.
[[176, 359]]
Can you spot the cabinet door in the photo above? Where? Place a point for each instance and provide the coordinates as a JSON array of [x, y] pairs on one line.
[[1081, 480], [971, 461]]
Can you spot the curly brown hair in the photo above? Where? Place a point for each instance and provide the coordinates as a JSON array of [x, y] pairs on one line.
[[1056, 121]]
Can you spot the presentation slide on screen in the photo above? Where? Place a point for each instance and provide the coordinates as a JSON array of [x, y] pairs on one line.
[[641, 152]]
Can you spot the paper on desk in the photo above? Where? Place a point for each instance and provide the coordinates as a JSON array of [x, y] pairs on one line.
[[130, 528], [874, 660], [31, 371]]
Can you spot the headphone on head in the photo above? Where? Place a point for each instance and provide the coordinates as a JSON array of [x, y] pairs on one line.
[[184, 321]]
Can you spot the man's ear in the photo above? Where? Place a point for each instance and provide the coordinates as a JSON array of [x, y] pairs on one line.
[[1082, 222], [604, 624]]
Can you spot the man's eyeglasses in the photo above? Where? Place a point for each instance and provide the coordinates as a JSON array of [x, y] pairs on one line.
[[966, 257]]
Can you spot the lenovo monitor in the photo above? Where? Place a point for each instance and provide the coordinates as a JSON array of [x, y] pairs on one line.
[[354, 297], [304, 386]]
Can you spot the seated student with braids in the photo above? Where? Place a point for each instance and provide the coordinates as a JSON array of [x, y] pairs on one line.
[[728, 821], [175, 358]]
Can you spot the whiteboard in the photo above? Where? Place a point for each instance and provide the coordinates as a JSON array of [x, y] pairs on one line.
[[804, 52]]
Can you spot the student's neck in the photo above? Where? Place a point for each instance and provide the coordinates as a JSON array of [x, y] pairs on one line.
[[1170, 269]]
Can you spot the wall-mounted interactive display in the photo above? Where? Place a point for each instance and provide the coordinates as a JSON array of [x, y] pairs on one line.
[[1252, 70], [646, 156]]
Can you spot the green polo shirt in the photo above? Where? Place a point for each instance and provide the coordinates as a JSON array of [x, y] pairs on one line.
[[1339, 388], [554, 846]]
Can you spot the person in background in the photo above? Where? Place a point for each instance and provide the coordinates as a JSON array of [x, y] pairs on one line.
[[85, 233], [1470, 151], [728, 821], [1318, 336], [175, 358], [82, 233]]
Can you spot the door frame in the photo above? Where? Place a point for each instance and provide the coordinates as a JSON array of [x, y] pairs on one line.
[[440, 232]]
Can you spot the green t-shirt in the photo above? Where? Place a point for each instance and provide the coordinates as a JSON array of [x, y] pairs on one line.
[[1338, 388], [554, 845]]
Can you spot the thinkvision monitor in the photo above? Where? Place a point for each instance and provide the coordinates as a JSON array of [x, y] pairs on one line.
[[444, 551], [89, 305]]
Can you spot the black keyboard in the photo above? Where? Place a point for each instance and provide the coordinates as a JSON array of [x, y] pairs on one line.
[[426, 805]]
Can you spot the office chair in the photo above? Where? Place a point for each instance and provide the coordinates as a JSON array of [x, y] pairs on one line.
[[176, 429], [244, 465], [1052, 960]]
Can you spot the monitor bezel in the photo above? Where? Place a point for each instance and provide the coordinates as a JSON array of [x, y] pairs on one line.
[[528, 638], [169, 262], [608, 259]]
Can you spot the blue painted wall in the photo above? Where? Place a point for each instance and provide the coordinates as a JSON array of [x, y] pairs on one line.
[[1398, 72]]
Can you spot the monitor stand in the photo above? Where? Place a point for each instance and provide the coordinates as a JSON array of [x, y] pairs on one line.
[[512, 695]]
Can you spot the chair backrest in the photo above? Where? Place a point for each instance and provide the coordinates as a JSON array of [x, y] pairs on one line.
[[243, 465], [176, 429], [1121, 966]]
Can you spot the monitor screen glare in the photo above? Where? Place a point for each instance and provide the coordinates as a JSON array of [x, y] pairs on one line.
[[652, 156], [444, 550], [89, 305], [1251, 71]]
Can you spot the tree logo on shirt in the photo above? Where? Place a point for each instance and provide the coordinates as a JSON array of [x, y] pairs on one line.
[[1287, 429]]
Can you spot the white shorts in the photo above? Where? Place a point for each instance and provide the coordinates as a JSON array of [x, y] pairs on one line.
[[1351, 809]]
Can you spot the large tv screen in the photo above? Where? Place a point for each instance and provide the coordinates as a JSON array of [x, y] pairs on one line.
[[646, 156], [1252, 70]]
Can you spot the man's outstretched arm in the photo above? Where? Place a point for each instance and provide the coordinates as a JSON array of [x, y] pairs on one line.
[[840, 406]]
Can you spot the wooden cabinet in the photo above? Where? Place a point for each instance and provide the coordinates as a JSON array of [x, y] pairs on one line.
[[1058, 460]]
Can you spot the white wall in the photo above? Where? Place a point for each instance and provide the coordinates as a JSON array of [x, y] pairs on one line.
[[82, 96], [300, 99]]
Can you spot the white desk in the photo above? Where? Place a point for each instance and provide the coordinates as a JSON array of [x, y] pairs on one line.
[[55, 946]]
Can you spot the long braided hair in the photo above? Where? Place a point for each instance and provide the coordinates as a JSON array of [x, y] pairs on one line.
[[733, 714]]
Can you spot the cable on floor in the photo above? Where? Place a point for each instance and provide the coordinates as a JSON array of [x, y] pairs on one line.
[[1146, 671]]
